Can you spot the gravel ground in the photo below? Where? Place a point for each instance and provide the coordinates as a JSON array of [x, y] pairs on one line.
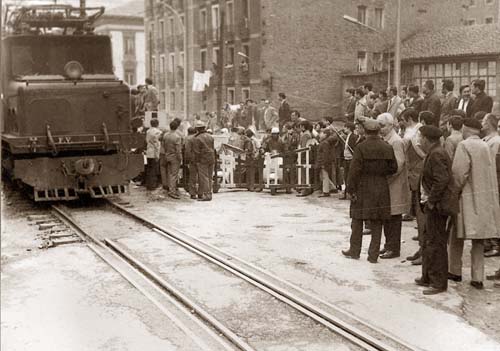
[[299, 239]]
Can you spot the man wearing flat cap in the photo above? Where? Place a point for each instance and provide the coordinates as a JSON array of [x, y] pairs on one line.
[[436, 200], [479, 217], [373, 161]]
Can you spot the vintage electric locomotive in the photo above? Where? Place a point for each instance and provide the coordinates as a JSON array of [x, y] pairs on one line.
[[65, 116]]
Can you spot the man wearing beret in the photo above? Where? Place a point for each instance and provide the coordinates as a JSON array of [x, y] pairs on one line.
[[373, 161], [479, 217], [436, 183]]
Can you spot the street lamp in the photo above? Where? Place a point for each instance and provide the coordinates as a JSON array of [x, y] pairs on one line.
[[185, 63], [397, 54]]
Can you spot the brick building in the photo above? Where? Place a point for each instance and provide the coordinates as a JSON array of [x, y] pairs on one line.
[[125, 25], [481, 12], [302, 48]]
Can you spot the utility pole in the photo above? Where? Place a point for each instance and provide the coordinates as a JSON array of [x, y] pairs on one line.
[[397, 56], [220, 56]]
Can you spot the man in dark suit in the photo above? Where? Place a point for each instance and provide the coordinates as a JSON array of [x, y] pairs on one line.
[[284, 111], [482, 102], [415, 98], [431, 100], [464, 103], [372, 163], [448, 105], [435, 184]]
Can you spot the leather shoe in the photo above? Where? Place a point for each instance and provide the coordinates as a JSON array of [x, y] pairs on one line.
[[494, 276], [174, 196], [389, 254], [454, 277], [371, 260], [347, 253], [407, 218], [414, 256], [415, 238], [420, 282], [193, 197], [417, 262], [324, 195], [492, 253], [383, 251], [477, 285], [433, 291]]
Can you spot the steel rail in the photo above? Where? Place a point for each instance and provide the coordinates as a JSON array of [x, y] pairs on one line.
[[223, 260], [159, 285]]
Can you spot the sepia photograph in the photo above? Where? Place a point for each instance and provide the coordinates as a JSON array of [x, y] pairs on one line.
[[250, 175]]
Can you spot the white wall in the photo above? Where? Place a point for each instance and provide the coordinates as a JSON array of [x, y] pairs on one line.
[[140, 56], [117, 48]]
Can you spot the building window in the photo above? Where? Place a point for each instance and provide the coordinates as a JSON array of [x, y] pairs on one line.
[[153, 65], [245, 61], [215, 55], [230, 96], [461, 73], [172, 101], [488, 20], [130, 77], [203, 59], [230, 55], [181, 59], [470, 22], [162, 64], [171, 25], [215, 21], [162, 30], [362, 14], [163, 99], [182, 19], [181, 104], [489, 2], [245, 93], [245, 6], [362, 64], [378, 62], [230, 15], [379, 18], [203, 20], [129, 45], [171, 63]]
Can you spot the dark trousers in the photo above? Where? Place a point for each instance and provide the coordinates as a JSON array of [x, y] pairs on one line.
[[193, 179], [173, 166], [357, 238], [392, 233], [417, 212], [205, 178], [434, 250], [338, 173], [152, 170], [347, 164], [250, 175]]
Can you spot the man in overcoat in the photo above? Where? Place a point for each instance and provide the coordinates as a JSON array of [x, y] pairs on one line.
[[189, 160], [172, 145], [479, 216], [431, 101], [204, 151], [482, 102], [325, 159], [435, 184], [372, 163], [398, 188]]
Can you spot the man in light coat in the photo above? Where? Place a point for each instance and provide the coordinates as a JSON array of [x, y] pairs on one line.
[[395, 104], [271, 118], [479, 216], [398, 188]]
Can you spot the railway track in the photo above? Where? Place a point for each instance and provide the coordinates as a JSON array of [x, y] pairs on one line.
[[354, 331]]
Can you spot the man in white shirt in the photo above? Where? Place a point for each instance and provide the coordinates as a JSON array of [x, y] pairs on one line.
[[465, 100]]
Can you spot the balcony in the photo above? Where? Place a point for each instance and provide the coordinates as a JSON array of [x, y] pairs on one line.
[[179, 41], [244, 29], [171, 80], [244, 74], [229, 75], [201, 37]]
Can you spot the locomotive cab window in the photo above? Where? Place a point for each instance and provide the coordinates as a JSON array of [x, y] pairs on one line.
[[41, 56]]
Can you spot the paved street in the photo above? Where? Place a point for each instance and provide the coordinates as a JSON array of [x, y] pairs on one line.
[[66, 307]]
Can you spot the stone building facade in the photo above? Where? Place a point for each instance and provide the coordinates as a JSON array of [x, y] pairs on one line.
[[125, 26], [301, 48]]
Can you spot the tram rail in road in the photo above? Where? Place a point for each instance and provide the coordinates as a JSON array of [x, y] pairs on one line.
[[363, 335]]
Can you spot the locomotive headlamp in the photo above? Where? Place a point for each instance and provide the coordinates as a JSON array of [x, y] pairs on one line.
[[73, 70]]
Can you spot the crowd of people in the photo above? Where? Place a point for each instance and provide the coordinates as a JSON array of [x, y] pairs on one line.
[[433, 158]]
